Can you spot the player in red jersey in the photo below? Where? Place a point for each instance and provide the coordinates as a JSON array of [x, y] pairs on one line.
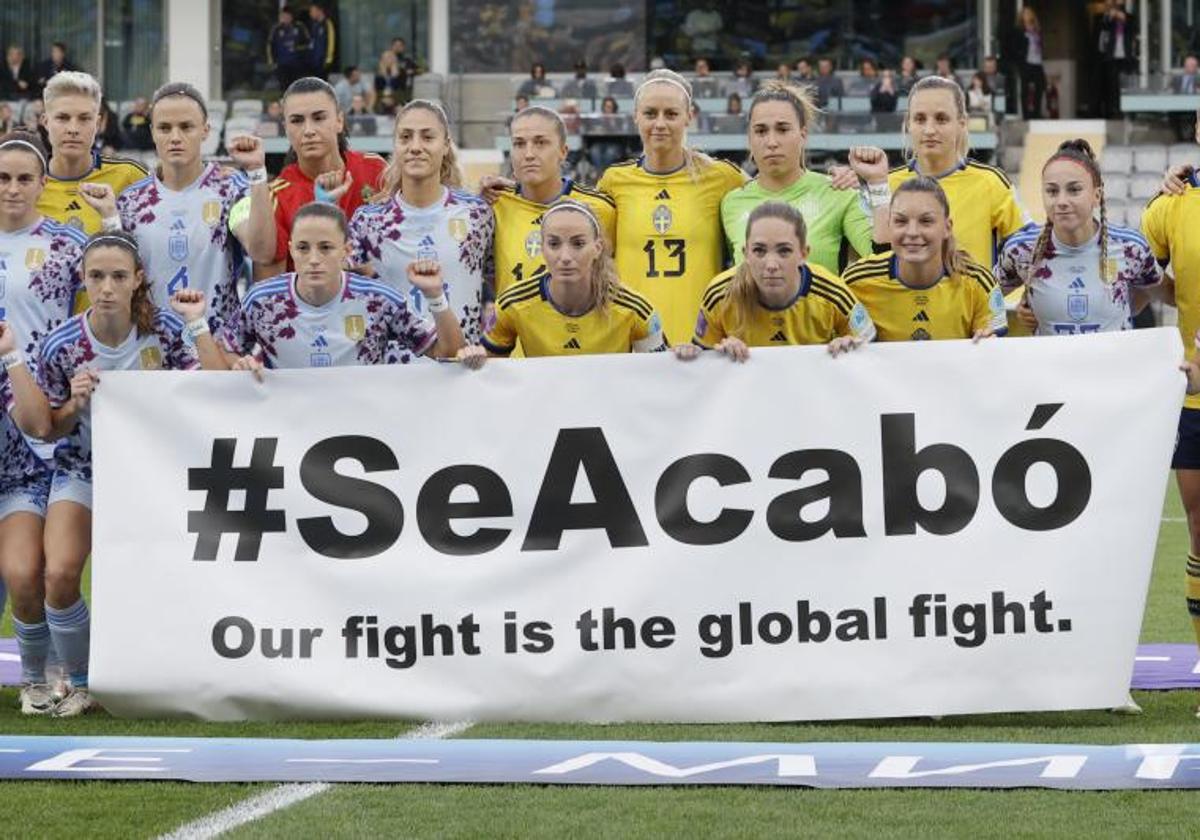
[[319, 165]]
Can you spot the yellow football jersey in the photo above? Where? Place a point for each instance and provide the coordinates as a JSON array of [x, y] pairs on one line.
[[1170, 223], [823, 309], [517, 243], [670, 242], [61, 201], [983, 206], [957, 306], [526, 313]]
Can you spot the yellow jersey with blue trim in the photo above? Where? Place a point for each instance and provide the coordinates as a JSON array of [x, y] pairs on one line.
[[823, 309], [1170, 224], [526, 312], [958, 305], [517, 241], [670, 241], [983, 206], [60, 200]]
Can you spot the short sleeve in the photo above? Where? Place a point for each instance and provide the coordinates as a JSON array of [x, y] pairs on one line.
[[988, 308], [647, 334], [709, 329], [501, 339], [1007, 269], [1154, 228], [1007, 216], [857, 227], [54, 379], [857, 323], [410, 330], [237, 336], [1144, 268]]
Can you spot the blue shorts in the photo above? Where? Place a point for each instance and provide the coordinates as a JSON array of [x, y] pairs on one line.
[[30, 496], [1187, 441], [66, 487]]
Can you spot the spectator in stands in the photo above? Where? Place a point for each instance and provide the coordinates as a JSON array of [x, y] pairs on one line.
[[323, 45], [8, 120], [609, 106], [829, 86], [273, 115], [908, 75], [408, 70], [603, 153], [56, 63], [945, 68], [979, 94], [704, 84], [31, 115], [581, 87], [1115, 30], [991, 72], [743, 82], [360, 122], [783, 72], [136, 126], [353, 84], [17, 80], [109, 138], [1186, 83], [868, 76], [699, 122], [568, 111], [520, 103], [884, 93], [537, 86], [733, 105], [1029, 53], [618, 85], [388, 83], [804, 71], [288, 48]]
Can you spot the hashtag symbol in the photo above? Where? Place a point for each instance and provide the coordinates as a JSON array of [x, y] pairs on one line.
[[218, 480]]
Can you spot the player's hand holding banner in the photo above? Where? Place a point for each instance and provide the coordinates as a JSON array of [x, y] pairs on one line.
[[924, 528]]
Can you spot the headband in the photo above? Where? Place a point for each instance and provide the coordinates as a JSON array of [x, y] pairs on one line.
[[111, 239], [578, 207], [25, 143], [669, 81]]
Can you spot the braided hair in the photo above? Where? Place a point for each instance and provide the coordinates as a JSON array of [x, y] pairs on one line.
[[1078, 151]]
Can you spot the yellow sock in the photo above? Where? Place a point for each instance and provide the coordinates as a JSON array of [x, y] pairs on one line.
[[1193, 593]]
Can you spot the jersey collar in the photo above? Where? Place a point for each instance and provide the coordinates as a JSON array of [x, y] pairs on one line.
[[894, 273], [567, 185], [641, 162], [544, 288], [95, 166], [958, 167], [805, 282]]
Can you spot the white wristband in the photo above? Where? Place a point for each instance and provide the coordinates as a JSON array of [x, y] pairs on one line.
[[877, 195], [11, 360], [257, 176], [111, 224], [438, 304], [197, 328]]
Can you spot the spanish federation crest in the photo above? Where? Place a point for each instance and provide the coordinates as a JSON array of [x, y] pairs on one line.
[[662, 218], [211, 213], [533, 243], [458, 229], [35, 258], [177, 241], [356, 327], [151, 358]]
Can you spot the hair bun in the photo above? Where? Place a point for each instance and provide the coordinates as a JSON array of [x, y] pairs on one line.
[[1078, 145]]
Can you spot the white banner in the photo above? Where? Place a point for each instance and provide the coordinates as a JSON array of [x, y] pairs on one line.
[[915, 529]]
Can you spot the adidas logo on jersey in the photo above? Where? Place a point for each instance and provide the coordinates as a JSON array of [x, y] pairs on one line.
[[921, 316], [1078, 283], [779, 336], [573, 344], [74, 205], [178, 225], [320, 342], [663, 196]]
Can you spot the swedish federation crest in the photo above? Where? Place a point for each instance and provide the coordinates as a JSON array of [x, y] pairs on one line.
[[661, 218], [533, 244]]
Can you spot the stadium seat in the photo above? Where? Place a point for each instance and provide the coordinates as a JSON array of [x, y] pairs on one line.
[[247, 108], [1144, 186], [240, 125], [1117, 209], [1117, 159], [1133, 216], [1116, 186], [211, 143], [1150, 158], [218, 106], [1183, 153], [428, 86]]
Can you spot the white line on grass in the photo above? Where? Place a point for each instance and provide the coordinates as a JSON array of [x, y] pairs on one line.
[[1174, 519], [285, 796]]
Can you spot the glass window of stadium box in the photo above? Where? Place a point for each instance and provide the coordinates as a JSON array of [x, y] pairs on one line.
[[506, 36], [771, 32], [135, 55], [34, 25], [364, 28]]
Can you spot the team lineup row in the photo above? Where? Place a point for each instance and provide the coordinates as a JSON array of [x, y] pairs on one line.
[[366, 262]]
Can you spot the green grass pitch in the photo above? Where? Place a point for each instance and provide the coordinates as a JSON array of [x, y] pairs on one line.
[[135, 809]]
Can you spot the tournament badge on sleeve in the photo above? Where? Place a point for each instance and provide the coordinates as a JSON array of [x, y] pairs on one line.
[[211, 213], [356, 327], [151, 358], [35, 258]]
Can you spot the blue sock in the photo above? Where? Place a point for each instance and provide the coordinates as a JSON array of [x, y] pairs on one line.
[[33, 640], [71, 630]]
